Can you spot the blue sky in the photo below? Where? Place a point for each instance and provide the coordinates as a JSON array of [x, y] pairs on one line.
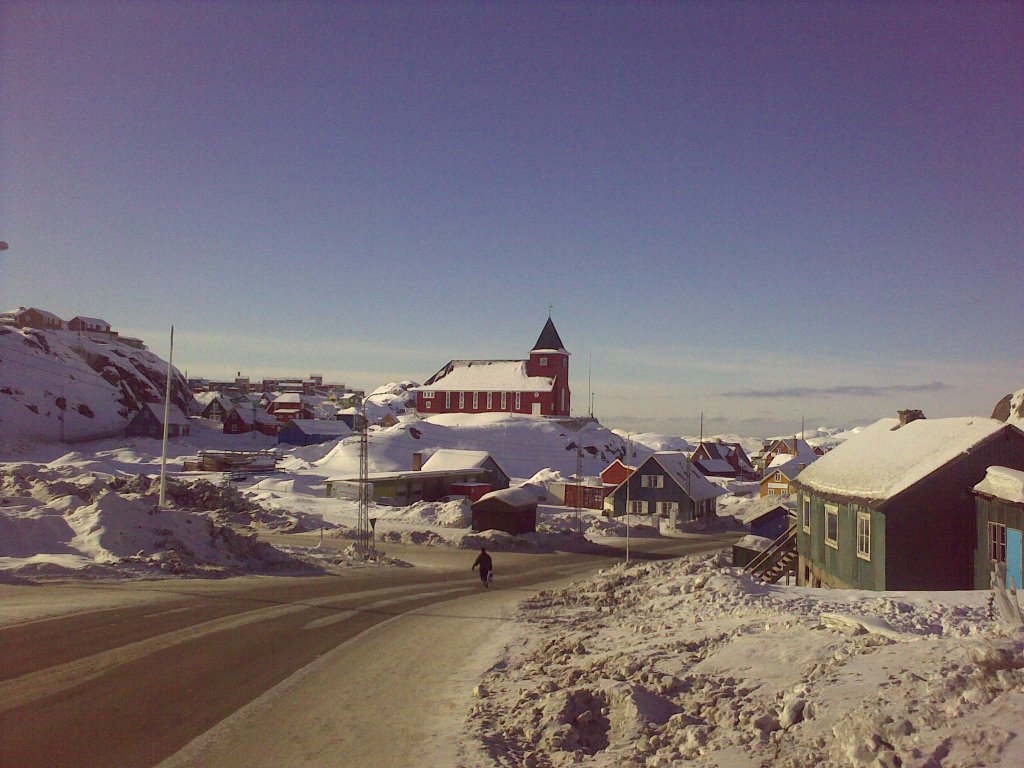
[[761, 211]]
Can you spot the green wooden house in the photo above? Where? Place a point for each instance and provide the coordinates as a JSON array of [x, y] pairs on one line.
[[892, 507], [999, 501]]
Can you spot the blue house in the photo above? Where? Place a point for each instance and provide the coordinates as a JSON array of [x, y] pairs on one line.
[[999, 501], [312, 431], [667, 484]]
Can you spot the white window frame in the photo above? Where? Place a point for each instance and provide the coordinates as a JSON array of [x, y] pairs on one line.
[[665, 508], [563, 400], [490, 400], [428, 394], [543, 362], [476, 401], [864, 535], [504, 400], [652, 481], [426, 405], [996, 542], [462, 401], [519, 401], [636, 507], [833, 511], [447, 401], [806, 512]]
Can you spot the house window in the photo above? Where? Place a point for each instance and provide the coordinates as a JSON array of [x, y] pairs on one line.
[[832, 525], [447, 401], [544, 362], [652, 481], [427, 405], [636, 508], [519, 400], [778, 477], [476, 400], [668, 508], [504, 400], [563, 399], [490, 400], [864, 535], [997, 542], [806, 515], [428, 395], [462, 401]]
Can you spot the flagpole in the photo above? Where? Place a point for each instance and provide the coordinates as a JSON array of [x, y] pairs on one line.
[[167, 419]]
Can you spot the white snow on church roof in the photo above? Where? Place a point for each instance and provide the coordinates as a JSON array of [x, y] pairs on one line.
[[886, 459], [489, 376], [453, 458], [1003, 483]]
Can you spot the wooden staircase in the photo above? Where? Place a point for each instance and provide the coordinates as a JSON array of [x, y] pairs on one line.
[[777, 560]]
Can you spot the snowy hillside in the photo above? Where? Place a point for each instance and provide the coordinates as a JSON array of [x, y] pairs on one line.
[[394, 398], [101, 383], [522, 445], [1011, 408]]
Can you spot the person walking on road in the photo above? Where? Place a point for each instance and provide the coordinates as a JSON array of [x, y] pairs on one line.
[[486, 566]]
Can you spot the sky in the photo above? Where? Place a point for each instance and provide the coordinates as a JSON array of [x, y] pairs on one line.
[[763, 212]]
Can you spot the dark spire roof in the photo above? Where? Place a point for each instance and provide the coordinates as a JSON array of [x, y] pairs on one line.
[[548, 338]]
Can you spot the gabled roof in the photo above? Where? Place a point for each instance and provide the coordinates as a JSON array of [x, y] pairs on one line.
[[788, 465], [794, 447], [319, 427], [517, 498], [549, 340], [454, 458], [486, 376], [90, 320], [176, 416], [886, 459], [678, 466], [43, 312], [715, 466]]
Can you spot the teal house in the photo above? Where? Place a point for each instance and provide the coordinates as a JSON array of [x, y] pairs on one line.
[[999, 501], [892, 508]]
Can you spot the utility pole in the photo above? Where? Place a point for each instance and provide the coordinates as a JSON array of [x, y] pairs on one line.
[[629, 478], [364, 536], [167, 419], [579, 487]]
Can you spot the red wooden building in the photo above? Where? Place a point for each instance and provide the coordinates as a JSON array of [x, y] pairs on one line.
[[538, 385]]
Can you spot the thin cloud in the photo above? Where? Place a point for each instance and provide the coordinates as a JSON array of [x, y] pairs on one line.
[[851, 390]]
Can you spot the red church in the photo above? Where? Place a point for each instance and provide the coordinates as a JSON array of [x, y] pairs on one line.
[[538, 385]]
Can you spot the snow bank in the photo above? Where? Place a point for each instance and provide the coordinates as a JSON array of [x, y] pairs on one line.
[[690, 662]]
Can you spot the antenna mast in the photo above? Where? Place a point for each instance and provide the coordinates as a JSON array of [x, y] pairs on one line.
[[364, 536]]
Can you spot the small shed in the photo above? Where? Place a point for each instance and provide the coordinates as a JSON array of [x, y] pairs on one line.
[[149, 422], [999, 502], [88, 324], [772, 523], [312, 431], [512, 510], [454, 458]]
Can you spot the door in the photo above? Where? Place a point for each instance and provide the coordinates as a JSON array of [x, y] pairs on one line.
[[1013, 559], [536, 409]]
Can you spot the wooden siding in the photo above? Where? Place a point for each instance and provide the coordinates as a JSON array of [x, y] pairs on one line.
[[840, 567], [996, 511], [670, 492]]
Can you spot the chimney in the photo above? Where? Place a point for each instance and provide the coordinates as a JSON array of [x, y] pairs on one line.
[[417, 461], [909, 415]]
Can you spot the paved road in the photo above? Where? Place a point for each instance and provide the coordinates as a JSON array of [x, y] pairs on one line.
[[135, 683]]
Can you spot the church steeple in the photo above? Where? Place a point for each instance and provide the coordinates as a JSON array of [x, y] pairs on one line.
[[549, 340]]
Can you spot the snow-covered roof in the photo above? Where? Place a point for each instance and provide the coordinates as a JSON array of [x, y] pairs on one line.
[[43, 312], [90, 320], [801, 450], [789, 465], [453, 458], [487, 376], [715, 466], [289, 397], [678, 466], [514, 497], [1003, 483], [321, 426], [886, 459], [176, 416]]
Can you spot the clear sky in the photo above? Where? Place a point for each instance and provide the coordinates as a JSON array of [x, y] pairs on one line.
[[755, 210]]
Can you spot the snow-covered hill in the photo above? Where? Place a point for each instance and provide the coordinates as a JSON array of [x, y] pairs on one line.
[[394, 398], [522, 445], [1010, 408], [100, 382]]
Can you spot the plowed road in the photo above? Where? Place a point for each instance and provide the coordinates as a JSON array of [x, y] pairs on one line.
[[361, 669]]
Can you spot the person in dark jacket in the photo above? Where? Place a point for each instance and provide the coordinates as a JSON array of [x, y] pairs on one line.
[[484, 561]]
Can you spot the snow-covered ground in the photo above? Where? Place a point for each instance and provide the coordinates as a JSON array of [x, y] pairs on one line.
[[691, 662]]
